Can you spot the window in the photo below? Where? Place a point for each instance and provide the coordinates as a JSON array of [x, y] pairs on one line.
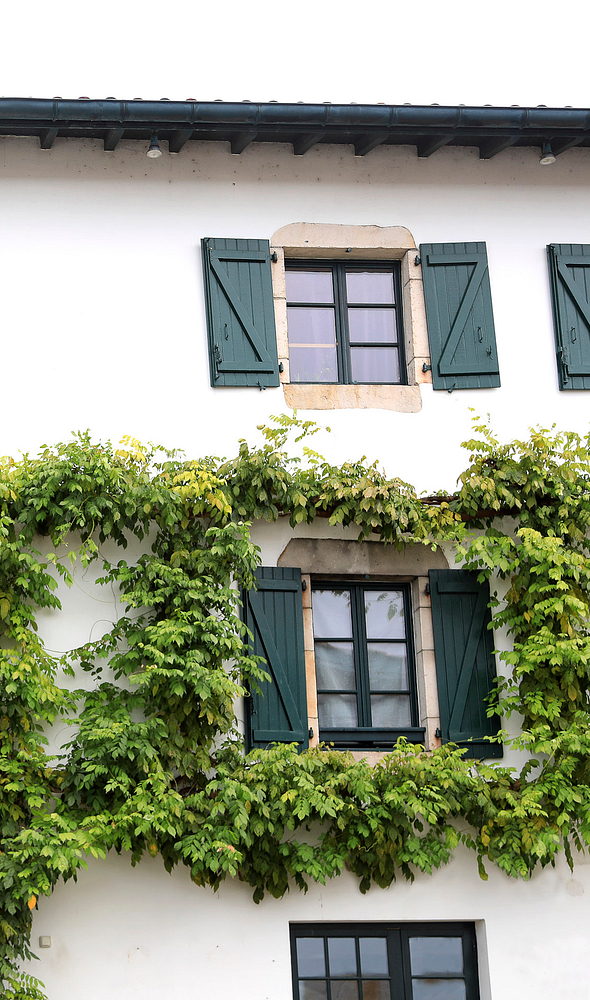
[[344, 323], [364, 664], [341, 651], [384, 961]]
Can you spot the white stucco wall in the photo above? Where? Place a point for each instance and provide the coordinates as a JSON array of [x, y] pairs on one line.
[[104, 327], [121, 933], [103, 313]]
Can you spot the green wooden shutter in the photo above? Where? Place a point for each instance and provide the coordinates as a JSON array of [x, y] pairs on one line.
[[465, 667], [274, 615], [569, 268], [240, 313], [459, 316]]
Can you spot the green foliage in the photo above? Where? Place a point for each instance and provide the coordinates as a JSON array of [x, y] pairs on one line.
[[155, 763]]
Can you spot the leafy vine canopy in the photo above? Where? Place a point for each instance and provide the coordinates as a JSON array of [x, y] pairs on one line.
[[155, 763]]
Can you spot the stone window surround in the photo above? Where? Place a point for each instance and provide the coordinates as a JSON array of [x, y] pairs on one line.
[[372, 561], [316, 241]]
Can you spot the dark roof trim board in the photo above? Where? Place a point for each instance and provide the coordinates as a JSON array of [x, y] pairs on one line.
[[363, 126]]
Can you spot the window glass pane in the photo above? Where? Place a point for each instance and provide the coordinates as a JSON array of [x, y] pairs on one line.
[[373, 956], [311, 327], [342, 956], [432, 956], [388, 667], [310, 286], [369, 286], [312, 345], [372, 325], [384, 611], [391, 711], [310, 957], [331, 614], [313, 990], [375, 364], [344, 990], [334, 666], [438, 989], [376, 989], [309, 364], [337, 711]]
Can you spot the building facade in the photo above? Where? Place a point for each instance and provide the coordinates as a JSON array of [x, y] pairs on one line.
[[383, 271]]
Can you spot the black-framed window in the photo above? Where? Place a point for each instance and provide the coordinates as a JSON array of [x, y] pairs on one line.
[[364, 661], [344, 323], [384, 961]]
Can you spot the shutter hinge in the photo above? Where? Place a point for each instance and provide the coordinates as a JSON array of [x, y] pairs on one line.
[[216, 359], [426, 368], [417, 260], [438, 734], [564, 364]]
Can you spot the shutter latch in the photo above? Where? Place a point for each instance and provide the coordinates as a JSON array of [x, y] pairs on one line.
[[426, 368], [438, 734], [310, 734], [417, 260]]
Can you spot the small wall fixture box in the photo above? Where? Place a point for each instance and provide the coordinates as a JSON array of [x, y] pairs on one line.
[[45, 941]]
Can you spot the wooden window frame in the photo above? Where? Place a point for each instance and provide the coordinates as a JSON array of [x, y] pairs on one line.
[[340, 307], [397, 934], [367, 736]]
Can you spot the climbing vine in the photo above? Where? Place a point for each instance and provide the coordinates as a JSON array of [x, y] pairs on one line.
[[155, 763]]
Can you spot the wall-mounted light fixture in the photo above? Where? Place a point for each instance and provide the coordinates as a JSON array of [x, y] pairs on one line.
[[154, 150], [547, 155]]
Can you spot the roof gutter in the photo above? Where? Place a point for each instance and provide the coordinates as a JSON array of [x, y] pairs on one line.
[[363, 126]]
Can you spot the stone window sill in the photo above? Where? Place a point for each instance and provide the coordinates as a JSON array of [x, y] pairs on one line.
[[403, 398]]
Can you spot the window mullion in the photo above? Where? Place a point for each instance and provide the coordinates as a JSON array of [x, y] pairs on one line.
[[342, 331], [399, 984], [361, 658]]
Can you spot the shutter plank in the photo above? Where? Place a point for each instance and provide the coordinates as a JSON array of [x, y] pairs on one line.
[[274, 615], [459, 314], [240, 313], [465, 665]]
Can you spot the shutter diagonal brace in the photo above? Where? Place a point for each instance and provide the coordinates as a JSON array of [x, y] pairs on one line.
[[445, 363], [231, 293], [274, 662], [580, 303], [467, 666]]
